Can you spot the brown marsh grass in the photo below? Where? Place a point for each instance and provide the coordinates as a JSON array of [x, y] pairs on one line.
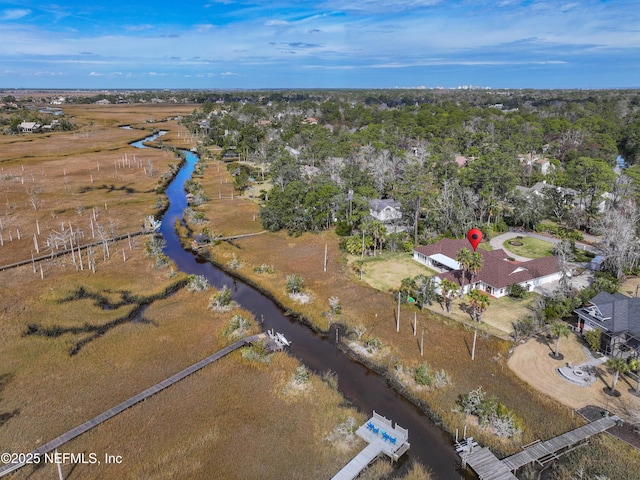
[[54, 180], [448, 343], [233, 419]]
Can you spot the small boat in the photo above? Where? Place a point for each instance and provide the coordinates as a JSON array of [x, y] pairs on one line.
[[282, 339]]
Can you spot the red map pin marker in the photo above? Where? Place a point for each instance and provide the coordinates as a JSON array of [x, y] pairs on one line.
[[474, 235]]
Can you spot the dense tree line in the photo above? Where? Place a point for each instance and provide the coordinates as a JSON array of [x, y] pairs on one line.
[[327, 153]]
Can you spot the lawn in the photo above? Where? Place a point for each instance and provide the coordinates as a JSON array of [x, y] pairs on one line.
[[531, 247], [386, 272]]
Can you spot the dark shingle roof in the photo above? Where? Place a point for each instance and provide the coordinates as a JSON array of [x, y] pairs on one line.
[[496, 270], [624, 311]]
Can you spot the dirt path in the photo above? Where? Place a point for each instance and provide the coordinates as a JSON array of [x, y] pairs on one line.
[[532, 363]]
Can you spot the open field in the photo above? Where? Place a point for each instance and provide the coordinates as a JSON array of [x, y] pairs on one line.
[[531, 247], [126, 334]]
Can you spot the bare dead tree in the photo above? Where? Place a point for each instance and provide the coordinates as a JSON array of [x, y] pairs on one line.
[[619, 243]]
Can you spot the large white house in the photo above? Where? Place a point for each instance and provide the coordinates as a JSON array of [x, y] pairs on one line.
[[496, 274]]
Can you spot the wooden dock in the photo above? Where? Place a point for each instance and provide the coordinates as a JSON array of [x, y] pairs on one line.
[[382, 437], [489, 467], [104, 416], [543, 452]]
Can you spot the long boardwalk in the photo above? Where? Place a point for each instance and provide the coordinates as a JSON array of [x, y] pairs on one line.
[[545, 451], [382, 437], [104, 416], [59, 253], [489, 467]]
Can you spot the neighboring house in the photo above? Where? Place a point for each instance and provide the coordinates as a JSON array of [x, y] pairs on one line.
[[534, 161], [497, 271], [618, 317], [29, 127], [294, 153], [387, 211], [576, 200], [461, 161]]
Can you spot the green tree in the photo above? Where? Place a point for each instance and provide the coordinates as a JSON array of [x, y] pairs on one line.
[[591, 177], [357, 244], [425, 290], [476, 263], [479, 302], [294, 283], [593, 338], [448, 291], [617, 366], [559, 329], [379, 231], [463, 257]]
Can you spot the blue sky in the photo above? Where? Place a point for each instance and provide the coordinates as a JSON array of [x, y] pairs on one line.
[[326, 43]]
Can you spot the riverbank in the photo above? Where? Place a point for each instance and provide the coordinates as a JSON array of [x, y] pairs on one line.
[[195, 429], [447, 343], [266, 261]]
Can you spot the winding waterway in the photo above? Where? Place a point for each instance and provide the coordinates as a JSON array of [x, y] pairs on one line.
[[363, 388]]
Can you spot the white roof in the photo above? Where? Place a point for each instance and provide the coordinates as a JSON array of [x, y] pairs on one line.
[[446, 261]]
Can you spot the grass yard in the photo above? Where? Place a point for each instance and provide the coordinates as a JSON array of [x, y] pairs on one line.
[[386, 272], [497, 319], [531, 248]]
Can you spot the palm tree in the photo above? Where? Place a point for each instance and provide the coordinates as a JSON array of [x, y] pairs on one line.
[[378, 230], [475, 265], [617, 366], [559, 329], [448, 290], [464, 259], [479, 302]]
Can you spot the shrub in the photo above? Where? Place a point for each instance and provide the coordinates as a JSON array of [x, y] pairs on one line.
[[593, 339], [524, 327], [264, 268], [334, 303], [221, 301], [302, 375], [491, 413], [238, 326], [257, 352], [516, 290], [425, 376], [197, 283], [294, 283], [234, 263]]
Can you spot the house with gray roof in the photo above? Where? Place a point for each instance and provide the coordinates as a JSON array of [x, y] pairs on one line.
[[389, 212], [617, 317]]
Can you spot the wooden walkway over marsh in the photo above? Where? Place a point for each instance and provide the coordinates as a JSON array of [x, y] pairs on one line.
[[489, 467], [104, 416]]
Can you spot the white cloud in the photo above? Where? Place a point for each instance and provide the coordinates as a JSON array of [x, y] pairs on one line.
[[139, 28], [95, 74], [229, 74], [14, 13], [379, 6]]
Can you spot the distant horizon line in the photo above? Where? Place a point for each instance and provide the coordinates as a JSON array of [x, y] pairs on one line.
[[161, 89]]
